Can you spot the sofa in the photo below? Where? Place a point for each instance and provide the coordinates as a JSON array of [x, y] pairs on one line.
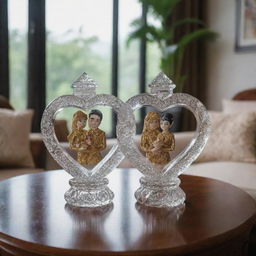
[[21, 151], [37, 150], [234, 145]]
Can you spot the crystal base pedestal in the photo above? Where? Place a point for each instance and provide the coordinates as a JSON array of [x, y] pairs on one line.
[[161, 193], [86, 193]]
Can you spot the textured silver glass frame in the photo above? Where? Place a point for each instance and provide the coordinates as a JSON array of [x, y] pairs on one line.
[[161, 187], [88, 187], [158, 188]]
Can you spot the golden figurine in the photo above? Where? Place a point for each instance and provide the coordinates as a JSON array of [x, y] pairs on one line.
[[150, 132], [91, 155], [155, 143], [78, 138], [165, 141]]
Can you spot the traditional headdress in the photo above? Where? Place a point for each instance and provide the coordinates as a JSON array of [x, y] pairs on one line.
[[149, 117]]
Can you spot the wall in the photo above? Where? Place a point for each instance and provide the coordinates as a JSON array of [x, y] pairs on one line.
[[228, 72]]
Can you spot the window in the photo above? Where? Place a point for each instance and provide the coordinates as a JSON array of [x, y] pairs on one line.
[[76, 44], [128, 57], [18, 23], [79, 38]]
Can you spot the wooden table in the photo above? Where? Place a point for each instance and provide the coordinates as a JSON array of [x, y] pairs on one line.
[[35, 220]]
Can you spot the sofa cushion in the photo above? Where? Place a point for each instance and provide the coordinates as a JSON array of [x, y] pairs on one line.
[[232, 138], [242, 175], [14, 138], [238, 106]]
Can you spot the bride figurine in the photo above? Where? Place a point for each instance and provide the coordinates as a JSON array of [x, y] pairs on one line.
[[157, 144], [79, 139]]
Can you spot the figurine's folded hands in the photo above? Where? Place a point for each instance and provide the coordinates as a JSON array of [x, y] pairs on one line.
[[88, 141], [82, 147]]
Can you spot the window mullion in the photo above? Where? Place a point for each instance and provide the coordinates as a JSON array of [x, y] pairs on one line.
[[36, 60], [4, 50], [115, 61], [142, 65]]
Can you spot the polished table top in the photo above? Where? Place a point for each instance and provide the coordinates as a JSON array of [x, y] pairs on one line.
[[34, 216]]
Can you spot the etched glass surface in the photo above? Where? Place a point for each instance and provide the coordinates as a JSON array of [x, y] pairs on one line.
[[88, 180], [161, 187]]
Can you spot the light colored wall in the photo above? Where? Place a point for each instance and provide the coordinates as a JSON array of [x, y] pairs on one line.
[[228, 72]]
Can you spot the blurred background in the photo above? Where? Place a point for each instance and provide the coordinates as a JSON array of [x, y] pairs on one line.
[[47, 44]]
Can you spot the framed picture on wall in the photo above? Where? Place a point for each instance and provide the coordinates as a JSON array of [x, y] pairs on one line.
[[245, 25]]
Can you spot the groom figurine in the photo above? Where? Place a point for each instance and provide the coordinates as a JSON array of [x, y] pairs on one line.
[[92, 155]]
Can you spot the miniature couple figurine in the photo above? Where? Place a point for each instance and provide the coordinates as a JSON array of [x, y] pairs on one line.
[[156, 142], [87, 143]]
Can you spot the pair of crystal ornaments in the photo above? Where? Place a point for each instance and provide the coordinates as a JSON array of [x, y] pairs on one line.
[[89, 188]]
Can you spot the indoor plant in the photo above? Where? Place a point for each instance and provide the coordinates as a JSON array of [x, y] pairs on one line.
[[164, 34]]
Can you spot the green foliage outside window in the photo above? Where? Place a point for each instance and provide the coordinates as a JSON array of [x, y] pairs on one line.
[[68, 59], [18, 71], [162, 29]]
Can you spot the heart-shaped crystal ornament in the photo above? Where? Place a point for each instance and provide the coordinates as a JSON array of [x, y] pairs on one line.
[[88, 187], [160, 187]]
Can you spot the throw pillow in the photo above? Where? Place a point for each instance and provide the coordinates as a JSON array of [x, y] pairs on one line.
[[14, 138], [238, 106], [232, 138]]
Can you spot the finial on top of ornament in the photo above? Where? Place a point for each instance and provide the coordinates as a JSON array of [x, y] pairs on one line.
[[162, 86], [84, 86]]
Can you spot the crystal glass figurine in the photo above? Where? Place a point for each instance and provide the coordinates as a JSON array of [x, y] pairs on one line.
[[160, 183], [88, 187]]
